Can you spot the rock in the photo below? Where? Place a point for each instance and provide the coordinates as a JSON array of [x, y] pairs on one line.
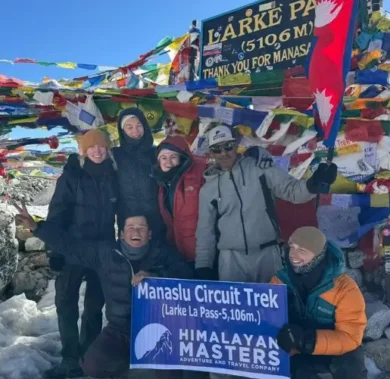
[[377, 324], [45, 194], [368, 277], [14, 182], [379, 275], [356, 259], [23, 234], [39, 261], [2, 185], [33, 284], [370, 297], [373, 370], [379, 351], [32, 275], [387, 333], [34, 244], [8, 248], [373, 305], [356, 275], [24, 188], [23, 281]]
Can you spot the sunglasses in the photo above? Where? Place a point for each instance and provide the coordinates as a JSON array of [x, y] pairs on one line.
[[228, 146]]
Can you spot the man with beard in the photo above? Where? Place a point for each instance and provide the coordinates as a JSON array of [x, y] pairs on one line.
[[326, 310]]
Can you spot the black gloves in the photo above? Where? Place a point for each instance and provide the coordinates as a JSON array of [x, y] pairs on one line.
[[325, 174], [205, 273], [295, 337], [262, 156]]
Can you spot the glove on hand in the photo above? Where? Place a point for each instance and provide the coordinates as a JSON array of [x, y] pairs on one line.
[[290, 337], [295, 337], [205, 273], [262, 156], [325, 174]]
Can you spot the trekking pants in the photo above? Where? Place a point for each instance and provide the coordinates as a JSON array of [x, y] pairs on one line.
[[346, 366], [109, 357], [256, 267], [67, 287]]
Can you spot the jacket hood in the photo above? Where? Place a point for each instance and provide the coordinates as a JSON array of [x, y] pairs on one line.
[[337, 258], [177, 144], [333, 270], [130, 144]]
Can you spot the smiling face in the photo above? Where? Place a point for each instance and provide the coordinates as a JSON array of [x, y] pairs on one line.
[[97, 154], [225, 154], [133, 127], [168, 159], [136, 231], [300, 256]]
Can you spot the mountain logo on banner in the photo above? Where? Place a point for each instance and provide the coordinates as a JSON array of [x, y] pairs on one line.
[[152, 340]]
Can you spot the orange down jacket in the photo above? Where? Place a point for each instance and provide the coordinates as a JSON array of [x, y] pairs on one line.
[[335, 308]]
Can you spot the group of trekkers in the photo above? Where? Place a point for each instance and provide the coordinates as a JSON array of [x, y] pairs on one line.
[[180, 218]]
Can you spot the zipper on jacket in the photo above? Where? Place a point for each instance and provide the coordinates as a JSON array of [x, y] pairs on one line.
[[241, 214], [127, 261], [301, 304], [98, 186]]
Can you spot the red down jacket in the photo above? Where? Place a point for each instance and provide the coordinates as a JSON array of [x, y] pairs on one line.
[[182, 195]]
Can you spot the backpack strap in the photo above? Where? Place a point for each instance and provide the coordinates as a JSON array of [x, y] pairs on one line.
[[270, 205]]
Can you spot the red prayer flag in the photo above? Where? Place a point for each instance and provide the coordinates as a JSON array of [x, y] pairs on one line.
[[181, 109], [24, 60], [365, 131]]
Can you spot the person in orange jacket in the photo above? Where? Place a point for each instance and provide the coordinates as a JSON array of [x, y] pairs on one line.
[[180, 178], [326, 310]]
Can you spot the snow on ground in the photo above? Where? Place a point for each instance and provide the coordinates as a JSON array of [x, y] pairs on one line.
[[29, 337]]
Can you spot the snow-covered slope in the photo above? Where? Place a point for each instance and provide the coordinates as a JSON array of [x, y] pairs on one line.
[[29, 338]]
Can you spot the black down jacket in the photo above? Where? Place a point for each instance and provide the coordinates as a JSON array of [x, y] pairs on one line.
[[114, 268], [85, 201], [138, 191]]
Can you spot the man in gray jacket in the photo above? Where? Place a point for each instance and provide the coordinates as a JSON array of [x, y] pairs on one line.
[[237, 214]]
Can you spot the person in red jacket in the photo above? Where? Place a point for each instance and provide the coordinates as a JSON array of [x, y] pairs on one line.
[[180, 178]]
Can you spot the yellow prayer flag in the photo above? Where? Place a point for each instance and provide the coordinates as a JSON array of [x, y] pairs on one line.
[[23, 121], [349, 149], [244, 130], [70, 65], [184, 125], [163, 74], [175, 46], [301, 119]]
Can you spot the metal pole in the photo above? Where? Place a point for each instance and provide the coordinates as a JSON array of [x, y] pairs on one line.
[[193, 52]]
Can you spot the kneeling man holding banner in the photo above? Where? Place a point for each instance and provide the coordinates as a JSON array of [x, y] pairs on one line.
[[326, 310], [119, 264]]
